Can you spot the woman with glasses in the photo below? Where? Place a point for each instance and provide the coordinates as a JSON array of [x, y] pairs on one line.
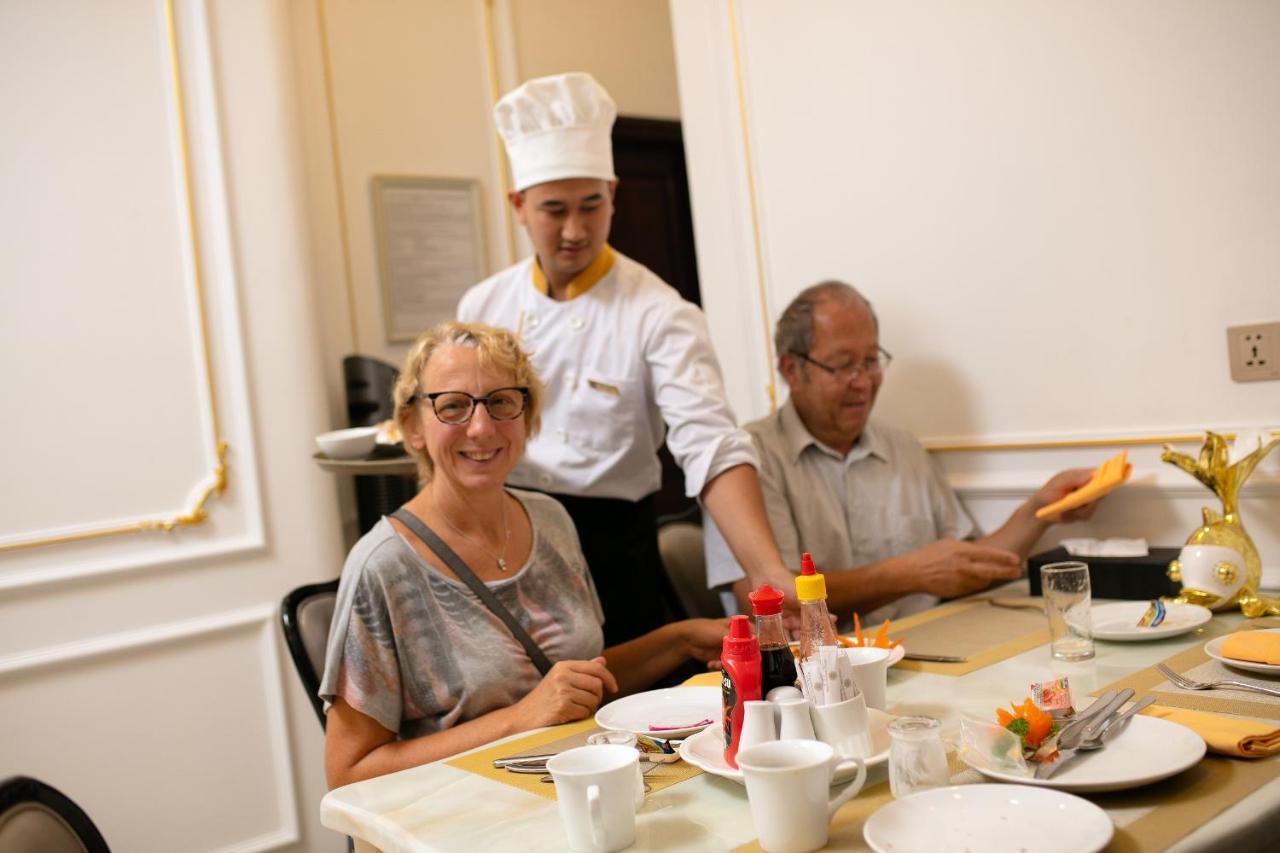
[[419, 666]]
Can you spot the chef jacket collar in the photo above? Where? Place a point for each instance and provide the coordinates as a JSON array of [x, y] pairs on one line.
[[584, 280]]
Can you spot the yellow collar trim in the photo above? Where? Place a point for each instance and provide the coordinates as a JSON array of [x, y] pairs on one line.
[[584, 280]]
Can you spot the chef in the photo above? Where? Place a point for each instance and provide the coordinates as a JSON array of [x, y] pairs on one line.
[[624, 359]]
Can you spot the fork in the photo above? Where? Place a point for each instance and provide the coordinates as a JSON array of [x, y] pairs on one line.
[[1188, 684]]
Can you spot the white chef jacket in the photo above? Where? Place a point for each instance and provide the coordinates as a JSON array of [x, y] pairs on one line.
[[617, 361]]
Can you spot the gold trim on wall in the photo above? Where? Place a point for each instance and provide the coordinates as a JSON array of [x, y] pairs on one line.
[[344, 240], [504, 174], [196, 513], [771, 388], [1067, 443]]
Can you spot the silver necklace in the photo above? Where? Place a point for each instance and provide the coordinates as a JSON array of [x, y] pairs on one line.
[[500, 556]]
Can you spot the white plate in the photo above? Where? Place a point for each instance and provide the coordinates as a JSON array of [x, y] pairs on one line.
[[671, 706], [1213, 649], [990, 818], [895, 654], [1119, 621], [1148, 750], [705, 750]]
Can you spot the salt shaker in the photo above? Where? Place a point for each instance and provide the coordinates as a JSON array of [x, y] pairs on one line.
[[917, 758]]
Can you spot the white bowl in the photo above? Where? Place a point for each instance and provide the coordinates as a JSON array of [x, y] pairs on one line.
[[354, 443]]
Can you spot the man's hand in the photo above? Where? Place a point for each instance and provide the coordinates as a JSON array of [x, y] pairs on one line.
[[1058, 487], [571, 690], [949, 568], [703, 638]]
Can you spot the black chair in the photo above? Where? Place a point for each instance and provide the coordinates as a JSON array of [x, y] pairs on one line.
[[38, 818], [305, 615]]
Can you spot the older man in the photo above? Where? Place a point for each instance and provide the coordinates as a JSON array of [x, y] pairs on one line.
[[624, 358], [863, 497]]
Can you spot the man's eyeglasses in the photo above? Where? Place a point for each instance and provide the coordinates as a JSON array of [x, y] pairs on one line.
[[456, 407], [872, 365]]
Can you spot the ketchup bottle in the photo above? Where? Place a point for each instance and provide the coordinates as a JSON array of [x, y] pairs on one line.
[[739, 680]]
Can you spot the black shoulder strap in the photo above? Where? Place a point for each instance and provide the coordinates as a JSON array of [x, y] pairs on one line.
[[453, 561]]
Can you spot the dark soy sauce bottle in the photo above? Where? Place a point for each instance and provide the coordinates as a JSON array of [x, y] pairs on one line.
[[777, 664]]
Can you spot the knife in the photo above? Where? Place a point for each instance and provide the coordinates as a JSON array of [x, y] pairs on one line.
[[1069, 729], [1103, 717], [934, 658]]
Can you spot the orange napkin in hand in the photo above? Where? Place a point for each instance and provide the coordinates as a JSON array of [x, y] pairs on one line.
[[1109, 474], [1256, 646], [1224, 735]]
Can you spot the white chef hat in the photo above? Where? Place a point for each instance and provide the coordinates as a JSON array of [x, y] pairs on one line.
[[557, 127]]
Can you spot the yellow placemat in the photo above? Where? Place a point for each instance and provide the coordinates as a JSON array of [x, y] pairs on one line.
[[1184, 802], [974, 629], [555, 739], [1193, 661]]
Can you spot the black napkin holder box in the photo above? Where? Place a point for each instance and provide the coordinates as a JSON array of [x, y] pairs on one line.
[[1131, 578]]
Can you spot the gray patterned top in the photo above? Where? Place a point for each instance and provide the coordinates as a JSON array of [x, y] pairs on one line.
[[418, 652]]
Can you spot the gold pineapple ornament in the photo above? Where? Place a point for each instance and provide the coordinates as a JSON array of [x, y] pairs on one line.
[[1219, 566]]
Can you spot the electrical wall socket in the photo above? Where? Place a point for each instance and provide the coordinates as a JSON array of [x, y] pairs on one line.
[[1254, 351]]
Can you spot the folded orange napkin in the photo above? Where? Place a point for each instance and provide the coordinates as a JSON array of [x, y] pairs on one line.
[[1256, 646], [1108, 475], [1233, 736]]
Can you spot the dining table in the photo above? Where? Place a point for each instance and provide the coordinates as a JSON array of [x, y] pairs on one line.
[[441, 807]]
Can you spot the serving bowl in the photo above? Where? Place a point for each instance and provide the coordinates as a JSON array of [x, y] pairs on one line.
[[353, 443]]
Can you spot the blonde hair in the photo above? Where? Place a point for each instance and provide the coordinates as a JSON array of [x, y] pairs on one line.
[[499, 351]]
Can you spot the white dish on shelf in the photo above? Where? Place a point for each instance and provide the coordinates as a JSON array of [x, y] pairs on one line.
[[1148, 750], [990, 818], [1118, 621], [353, 443], [669, 706], [1213, 649], [705, 750]]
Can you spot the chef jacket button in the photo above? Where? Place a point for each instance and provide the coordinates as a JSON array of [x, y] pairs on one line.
[[562, 434], [544, 479], [533, 321], [576, 323]]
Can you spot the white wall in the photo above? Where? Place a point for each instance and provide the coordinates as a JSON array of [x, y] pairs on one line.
[[1056, 208], [143, 673]]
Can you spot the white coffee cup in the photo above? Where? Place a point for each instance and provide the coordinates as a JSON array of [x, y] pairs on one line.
[[596, 792], [787, 785], [844, 727], [870, 672]]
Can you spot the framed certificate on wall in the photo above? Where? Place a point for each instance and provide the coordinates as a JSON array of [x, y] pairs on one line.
[[430, 239]]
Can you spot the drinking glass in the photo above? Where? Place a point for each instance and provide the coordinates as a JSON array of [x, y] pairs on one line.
[[1065, 587], [917, 758]]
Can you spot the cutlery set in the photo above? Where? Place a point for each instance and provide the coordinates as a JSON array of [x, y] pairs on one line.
[[1094, 727]]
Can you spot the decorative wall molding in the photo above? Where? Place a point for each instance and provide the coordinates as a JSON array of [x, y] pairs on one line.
[[263, 618], [216, 339]]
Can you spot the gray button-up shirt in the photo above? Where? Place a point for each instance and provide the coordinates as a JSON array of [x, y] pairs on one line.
[[882, 499]]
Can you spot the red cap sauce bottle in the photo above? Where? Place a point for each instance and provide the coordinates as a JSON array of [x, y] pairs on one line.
[[777, 664], [739, 680]]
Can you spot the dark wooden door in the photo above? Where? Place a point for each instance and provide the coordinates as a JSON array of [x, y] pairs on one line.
[[653, 223]]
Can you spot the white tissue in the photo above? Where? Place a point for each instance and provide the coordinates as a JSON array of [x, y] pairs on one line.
[[1105, 547]]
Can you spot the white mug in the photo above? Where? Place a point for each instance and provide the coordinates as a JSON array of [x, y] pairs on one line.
[[796, 723], [787, 785], [596, 792], [844, 727], [870, 672], [757, 724]]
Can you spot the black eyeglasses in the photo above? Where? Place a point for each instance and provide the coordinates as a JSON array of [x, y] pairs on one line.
[[872, 365], [456, 407]]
